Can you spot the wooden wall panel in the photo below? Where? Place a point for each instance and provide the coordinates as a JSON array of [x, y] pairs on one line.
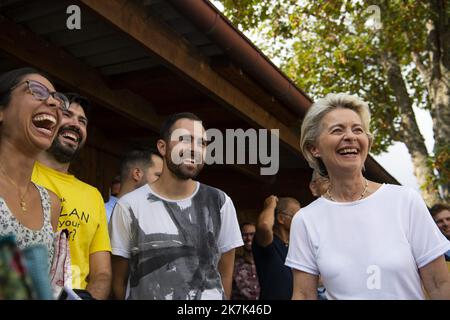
[[97, 168]]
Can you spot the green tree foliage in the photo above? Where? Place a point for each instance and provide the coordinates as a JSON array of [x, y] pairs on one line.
[[393, 54]]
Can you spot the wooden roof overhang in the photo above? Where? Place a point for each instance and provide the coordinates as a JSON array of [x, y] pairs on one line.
[[139, 61]]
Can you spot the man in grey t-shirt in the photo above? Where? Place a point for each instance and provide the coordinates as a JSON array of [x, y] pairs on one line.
[[175, 238]]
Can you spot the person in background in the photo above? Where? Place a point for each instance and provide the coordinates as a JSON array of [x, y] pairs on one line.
[[115, 189], [30, 113], [365, 240], [441, 215], [271, 246], [115, 186], [319, 184], [138, 166], [245, 278], [83, 211]]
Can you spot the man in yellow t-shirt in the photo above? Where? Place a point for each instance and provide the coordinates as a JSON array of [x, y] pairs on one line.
[[83, 212]]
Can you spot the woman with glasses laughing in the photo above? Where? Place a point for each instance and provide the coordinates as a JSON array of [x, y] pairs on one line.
[[30, 112]]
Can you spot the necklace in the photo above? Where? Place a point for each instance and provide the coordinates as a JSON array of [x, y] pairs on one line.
[[23, 204], [362, 194]]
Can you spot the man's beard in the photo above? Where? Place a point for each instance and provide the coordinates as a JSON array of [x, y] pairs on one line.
[[181, 172], [61, 153]]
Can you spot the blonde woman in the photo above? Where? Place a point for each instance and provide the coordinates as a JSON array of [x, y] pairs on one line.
[[366, 240]]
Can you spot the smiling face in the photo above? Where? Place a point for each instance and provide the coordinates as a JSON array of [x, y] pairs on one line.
[[31, 122], [184, 153], [442, 219], [343, 143], [71, 135]]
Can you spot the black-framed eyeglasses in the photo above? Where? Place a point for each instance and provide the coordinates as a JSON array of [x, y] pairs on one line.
[[41, 92]]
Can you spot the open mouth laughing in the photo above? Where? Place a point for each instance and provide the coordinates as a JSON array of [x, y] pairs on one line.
[[45, 123], [348, 151], [71, 135]]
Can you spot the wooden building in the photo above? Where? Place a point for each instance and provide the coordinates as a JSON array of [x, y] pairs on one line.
[[141, 60]]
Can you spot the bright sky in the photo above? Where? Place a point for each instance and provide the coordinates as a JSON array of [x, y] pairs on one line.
[[396, 160]]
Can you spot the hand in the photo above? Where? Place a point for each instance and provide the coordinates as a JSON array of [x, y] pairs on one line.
[[271, 202]]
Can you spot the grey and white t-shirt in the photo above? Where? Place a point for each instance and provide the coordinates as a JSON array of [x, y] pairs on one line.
[[174, 246]]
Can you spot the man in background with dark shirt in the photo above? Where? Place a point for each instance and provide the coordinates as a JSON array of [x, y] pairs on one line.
[[271, 246]]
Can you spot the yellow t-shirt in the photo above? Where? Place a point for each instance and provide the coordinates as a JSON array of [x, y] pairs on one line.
[[82, 213]]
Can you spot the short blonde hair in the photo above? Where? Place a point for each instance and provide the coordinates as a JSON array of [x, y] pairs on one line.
[[316, 176], [311, 126]]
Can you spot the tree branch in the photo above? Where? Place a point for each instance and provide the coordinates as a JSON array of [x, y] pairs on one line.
[[433, 41], [441, 22], [397, 135], [423, 70], [410, 130]]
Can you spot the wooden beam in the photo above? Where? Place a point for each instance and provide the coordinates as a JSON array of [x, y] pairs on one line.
[[133, 19], [30, 48], [240, 79]]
